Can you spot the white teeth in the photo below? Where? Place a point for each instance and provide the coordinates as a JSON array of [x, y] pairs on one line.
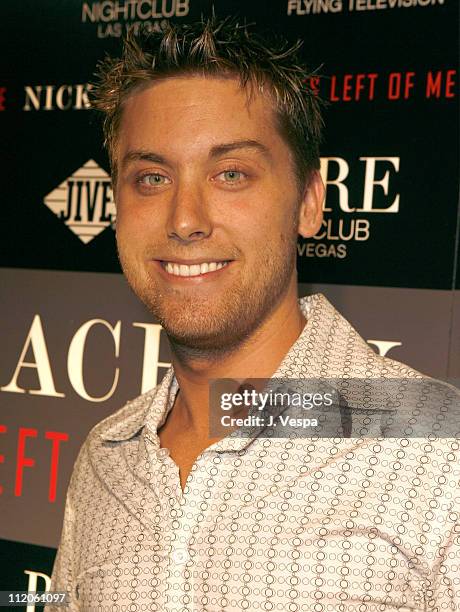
[[193, 270]]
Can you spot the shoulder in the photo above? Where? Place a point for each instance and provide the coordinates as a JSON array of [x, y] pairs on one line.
[[103, 450]]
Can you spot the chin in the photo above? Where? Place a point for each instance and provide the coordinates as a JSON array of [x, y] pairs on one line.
[[200, 334]]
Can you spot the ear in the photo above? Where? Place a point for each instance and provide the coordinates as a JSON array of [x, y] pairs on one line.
[[311, 207]]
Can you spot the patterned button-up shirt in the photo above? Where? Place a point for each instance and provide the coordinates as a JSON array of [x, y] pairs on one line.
[[341, 524]]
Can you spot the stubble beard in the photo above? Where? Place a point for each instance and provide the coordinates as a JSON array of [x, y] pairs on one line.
[[217, 326]]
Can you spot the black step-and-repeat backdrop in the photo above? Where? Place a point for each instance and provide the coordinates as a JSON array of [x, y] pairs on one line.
[[75, 341]]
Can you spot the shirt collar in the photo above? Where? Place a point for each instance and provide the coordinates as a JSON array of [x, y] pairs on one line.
[[151, 408]]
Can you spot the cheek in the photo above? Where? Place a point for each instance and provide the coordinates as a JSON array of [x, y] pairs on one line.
[[253, 213], [260, 232], [127, 234], [131, 236], [134, 222], [273, 226]]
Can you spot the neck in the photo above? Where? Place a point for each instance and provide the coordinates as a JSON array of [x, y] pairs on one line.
[[258, 357]]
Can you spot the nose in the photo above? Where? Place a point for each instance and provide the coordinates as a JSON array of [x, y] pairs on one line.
[[188, 218]]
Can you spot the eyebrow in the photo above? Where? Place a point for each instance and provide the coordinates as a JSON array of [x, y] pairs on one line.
[[142, 155], [215, 152], [218, 150]]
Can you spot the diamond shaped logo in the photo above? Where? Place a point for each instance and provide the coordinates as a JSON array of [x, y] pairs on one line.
[[84, 202]]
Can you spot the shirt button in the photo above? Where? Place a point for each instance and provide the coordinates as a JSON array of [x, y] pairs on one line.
[[180, 556], [162, 453]]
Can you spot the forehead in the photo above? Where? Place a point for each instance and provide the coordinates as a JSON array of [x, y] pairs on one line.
[[186, 114]]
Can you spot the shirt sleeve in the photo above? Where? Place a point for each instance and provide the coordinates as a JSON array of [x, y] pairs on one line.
[[63, 574], [62, 579], [444, 596]]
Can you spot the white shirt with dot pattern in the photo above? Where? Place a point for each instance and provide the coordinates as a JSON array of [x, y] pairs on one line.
[[320, 525]]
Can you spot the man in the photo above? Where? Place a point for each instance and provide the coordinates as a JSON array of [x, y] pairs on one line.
[[213, 141]]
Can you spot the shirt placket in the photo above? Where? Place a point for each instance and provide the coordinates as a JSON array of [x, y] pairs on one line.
[[180, 513]]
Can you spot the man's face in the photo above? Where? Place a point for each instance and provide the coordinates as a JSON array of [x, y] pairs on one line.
[[205, 178]]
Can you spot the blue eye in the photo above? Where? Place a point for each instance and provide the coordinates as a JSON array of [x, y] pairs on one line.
[[154, 180], [232, 175]]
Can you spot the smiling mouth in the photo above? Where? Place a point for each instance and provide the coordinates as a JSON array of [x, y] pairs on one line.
[[176, 269]]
